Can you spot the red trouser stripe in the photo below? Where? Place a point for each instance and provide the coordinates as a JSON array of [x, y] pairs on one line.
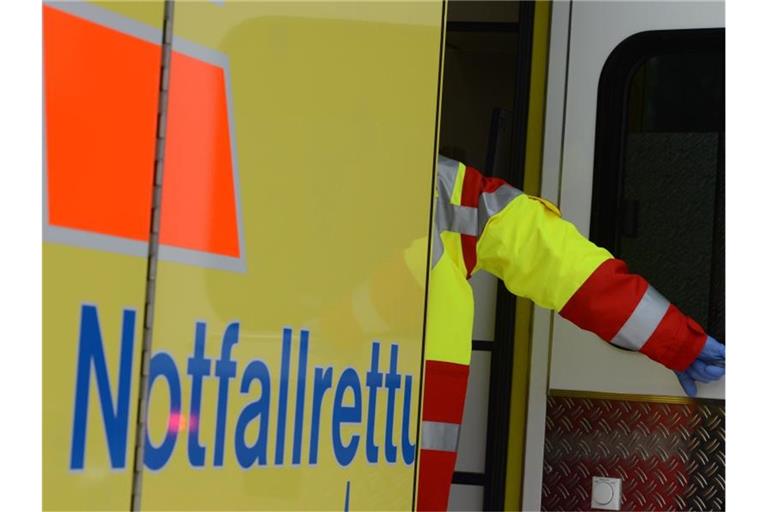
[[435, 475], [445, 386]]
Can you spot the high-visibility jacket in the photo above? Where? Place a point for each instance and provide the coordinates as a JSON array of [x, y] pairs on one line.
[[484, 223]]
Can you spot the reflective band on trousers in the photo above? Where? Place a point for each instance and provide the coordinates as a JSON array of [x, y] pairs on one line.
[[437, 435], [644, 320]]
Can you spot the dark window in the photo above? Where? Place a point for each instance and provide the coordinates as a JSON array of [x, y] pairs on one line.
[[659, 182]]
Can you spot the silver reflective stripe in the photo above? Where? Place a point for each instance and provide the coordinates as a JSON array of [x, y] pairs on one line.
[[463, 219], [459, 219], [437, 246], [436, 435], [643, 321], [447, 170], [466, 220], [491, 203]]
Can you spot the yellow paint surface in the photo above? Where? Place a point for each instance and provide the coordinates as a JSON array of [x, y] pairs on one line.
[[73, 277], [334, 108], [334, 115]]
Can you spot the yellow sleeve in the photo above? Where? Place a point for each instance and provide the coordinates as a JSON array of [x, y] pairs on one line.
[[536, 253]]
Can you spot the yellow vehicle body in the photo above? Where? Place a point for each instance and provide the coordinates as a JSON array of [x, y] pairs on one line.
[[298, 158]]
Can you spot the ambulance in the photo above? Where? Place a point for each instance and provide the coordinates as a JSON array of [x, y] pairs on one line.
[[225, 182]]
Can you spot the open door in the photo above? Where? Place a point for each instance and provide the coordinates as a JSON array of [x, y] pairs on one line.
[[236, 252]]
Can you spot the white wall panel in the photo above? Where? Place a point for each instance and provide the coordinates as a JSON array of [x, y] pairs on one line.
[[484, 286], [466, 497], [580, 361]]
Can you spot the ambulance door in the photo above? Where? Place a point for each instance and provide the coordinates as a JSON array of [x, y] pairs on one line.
[[633, 152], [101, 84], [287, 334]]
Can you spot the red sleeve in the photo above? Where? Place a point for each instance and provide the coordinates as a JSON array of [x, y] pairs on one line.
[[624, 310]]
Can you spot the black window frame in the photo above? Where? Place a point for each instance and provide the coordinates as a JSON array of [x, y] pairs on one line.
[[611, 133]]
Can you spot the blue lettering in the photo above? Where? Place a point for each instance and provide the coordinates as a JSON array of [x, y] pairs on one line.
[[298, 423], [346, 414], [161, 364], [392, 383], [225, 370], [373, 381], [198, 368], [323, 382], [91, 353], [247, 455], [409, 448], [282, 403]]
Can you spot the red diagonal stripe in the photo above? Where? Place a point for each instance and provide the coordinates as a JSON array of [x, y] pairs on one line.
[[435, 475]]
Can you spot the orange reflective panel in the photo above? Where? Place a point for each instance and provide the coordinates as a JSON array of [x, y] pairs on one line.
[[101, 93], [101, 103], [199, 210]]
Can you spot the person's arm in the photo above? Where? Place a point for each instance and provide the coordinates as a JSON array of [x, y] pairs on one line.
[[539, 255]]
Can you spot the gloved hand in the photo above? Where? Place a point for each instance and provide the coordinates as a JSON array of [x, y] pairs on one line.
[[709, 366]]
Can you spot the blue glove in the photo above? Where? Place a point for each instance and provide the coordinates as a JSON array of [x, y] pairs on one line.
[[709, 366]]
